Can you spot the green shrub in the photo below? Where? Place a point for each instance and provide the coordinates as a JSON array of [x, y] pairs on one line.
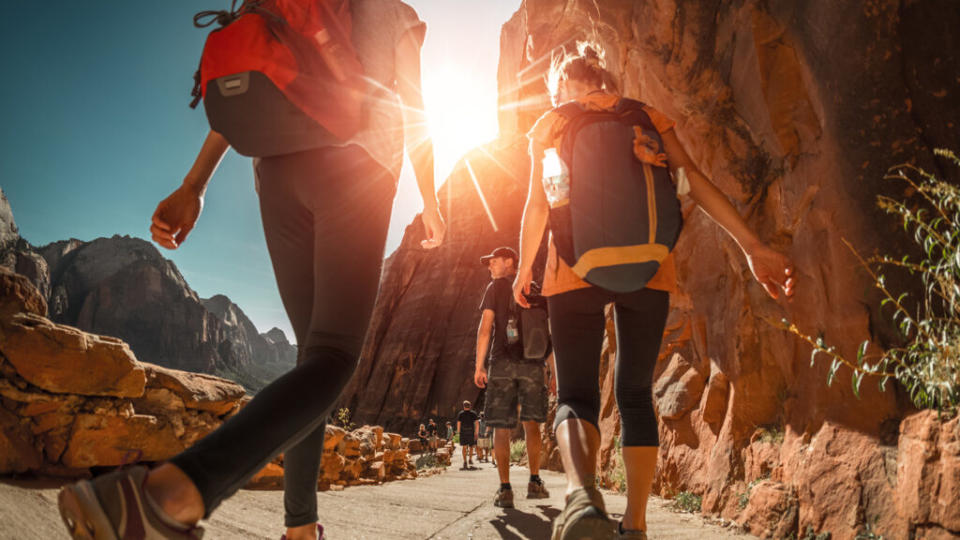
[[343, 419], [517, 450], [687, 502], [427, 461], [927, 363]]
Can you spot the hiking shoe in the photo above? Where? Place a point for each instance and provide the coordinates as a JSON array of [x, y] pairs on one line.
[[115, 506], [503, 498], [320, 535], [584, 517], [629, 534], [536, 490]]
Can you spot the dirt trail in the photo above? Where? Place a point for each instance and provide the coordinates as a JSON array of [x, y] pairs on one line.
[[456, 504]]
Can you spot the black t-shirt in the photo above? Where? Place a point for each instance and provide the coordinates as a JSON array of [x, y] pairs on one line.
[[467, 419], [432, 430], [499, 298]]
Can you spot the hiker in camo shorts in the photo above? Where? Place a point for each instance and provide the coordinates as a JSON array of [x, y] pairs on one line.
[[515, 386]]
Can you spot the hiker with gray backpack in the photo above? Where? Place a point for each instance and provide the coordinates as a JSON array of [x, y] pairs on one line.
[[518, 343], [323, 95], [606, 172]]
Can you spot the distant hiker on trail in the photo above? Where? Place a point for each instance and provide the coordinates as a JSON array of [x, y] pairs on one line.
[[450, 431], [432, 437], [422, 437], [325, 203], [512, 380], [599, 150], [467, 427], [483, 439]]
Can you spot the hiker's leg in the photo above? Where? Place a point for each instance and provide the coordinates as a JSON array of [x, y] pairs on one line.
[[532, 394], [350, 198], [500, 410], [576, 328], [640, 319], [501, 450], [531, 433]]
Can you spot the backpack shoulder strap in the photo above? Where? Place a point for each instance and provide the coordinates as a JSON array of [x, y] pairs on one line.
[[632, 112], [570, 110]]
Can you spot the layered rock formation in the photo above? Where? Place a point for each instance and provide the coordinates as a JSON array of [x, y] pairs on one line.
[[124, 287], [70, 400], [795, 110]]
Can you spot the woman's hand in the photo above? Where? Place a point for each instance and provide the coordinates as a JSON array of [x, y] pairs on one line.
[[434, 227], [771, 269], [175, 217], [521, 286]]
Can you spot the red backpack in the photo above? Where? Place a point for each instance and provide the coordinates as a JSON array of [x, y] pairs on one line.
[[280, 76]]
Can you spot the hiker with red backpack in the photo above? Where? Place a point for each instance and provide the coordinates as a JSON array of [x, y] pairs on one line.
[[322, 94], [605, 175]]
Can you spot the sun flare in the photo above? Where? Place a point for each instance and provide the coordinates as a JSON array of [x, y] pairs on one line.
[[461, 112]]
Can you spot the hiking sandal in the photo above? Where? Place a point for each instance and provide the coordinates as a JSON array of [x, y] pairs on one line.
[[584, 518], [115, 506]]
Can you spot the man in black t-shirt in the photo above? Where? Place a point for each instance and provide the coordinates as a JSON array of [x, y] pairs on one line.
[[513, 382], [467, 427]]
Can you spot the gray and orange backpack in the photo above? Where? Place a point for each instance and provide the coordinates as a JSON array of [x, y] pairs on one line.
[[623, 217]]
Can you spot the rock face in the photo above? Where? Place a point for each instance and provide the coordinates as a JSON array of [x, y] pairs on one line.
[[795, 110], [264, 356], [419, 353]]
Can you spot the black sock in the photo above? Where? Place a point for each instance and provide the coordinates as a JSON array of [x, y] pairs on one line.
[[505, 485], [536, 478]]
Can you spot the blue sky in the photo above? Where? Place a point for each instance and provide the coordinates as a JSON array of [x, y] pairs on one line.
[[96, 129]]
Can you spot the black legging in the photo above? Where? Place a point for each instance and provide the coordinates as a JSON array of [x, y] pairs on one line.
[[576, 327], [325, 217]]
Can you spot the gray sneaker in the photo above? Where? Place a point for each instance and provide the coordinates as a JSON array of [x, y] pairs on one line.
[[115, 506], [584, 517], [503, 498]]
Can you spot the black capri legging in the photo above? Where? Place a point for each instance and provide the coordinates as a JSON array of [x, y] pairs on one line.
[[325, 217], [577, 324]]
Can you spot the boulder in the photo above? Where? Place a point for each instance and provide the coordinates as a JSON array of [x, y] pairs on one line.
[[63, 359], [772, 510], [19, 295], [98, 440], [196, 390]]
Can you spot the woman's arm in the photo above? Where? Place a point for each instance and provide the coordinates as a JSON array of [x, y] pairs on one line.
[[772, 269], [176, 215], [419, 144], [535, 214]]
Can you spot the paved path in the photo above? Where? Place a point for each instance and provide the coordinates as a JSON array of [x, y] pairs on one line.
[[456, 504]]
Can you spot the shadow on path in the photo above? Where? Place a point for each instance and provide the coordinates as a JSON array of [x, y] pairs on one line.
[[529, 525]]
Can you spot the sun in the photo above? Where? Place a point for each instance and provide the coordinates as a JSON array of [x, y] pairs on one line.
[[461, 109]]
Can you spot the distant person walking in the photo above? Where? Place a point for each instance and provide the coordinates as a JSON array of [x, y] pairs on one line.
[[512, 381], [432, 435], [422, 437], [483, 439], [450, 431], [325, 215], [467, 427], [576, 307]]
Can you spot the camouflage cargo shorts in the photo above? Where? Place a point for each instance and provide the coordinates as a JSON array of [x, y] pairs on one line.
[[512, 384]]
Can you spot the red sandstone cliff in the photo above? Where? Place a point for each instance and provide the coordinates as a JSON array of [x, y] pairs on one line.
[[795, 110]]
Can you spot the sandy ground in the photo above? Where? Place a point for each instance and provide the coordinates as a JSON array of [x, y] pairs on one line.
[[455, 504]]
